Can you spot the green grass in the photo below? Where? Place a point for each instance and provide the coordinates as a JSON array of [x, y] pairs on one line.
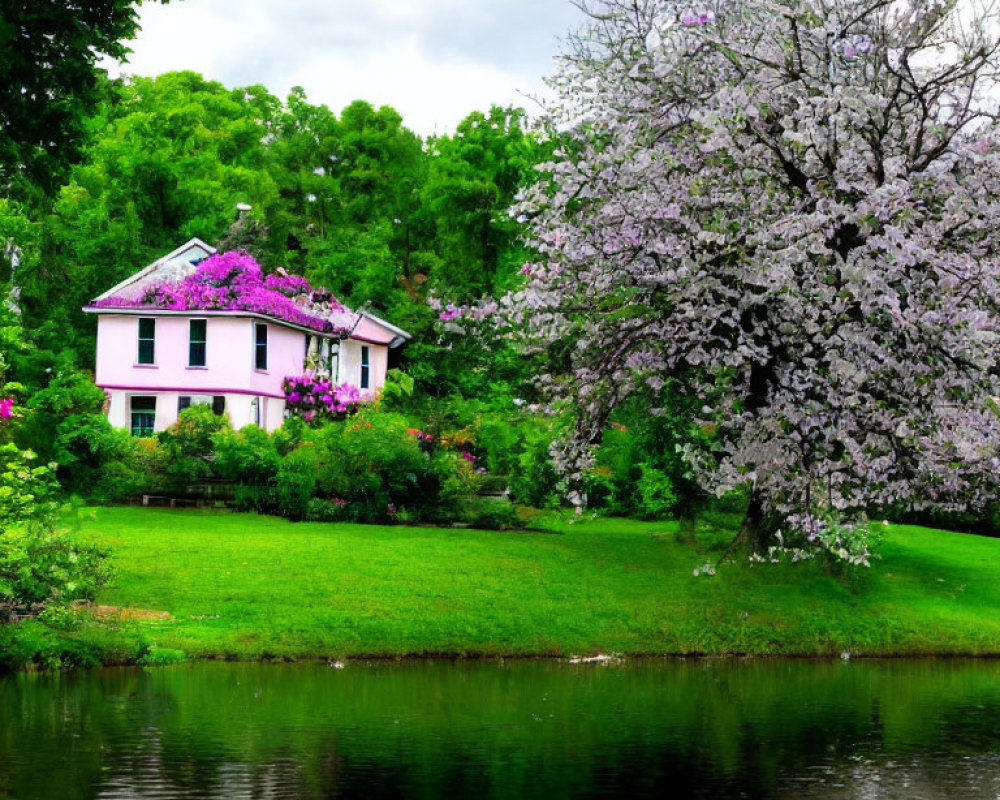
[[246, 586]]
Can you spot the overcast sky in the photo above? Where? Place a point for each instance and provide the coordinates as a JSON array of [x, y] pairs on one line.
[[434, 61]]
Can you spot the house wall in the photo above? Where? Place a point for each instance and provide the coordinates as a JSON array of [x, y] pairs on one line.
[[229, 361], [228, 371], [239, 408], [229, 365], [350, 363]]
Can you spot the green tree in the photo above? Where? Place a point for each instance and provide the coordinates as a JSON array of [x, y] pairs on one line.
[[48, 80]]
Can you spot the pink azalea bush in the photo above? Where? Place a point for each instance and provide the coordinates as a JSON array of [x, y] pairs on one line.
[[311, 398], [233, 281], [6, 408]]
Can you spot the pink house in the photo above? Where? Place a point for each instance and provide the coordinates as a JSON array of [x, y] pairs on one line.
[[168, 337]]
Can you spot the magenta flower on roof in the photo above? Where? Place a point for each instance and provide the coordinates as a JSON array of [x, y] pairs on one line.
[[234, 281]]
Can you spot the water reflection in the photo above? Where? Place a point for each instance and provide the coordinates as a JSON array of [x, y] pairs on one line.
[[756, 729]]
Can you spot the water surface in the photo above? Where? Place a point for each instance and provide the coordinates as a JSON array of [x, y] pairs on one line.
[[517, 729]]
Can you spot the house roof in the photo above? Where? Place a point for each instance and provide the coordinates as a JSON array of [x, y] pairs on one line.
[[171, 268], [164, 287]]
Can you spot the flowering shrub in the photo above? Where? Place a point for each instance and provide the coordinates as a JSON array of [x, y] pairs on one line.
[[312, 399], [6, 408], [39, 564], [234, 282]]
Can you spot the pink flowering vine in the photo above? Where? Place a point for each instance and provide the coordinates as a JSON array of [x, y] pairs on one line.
[[233, 281], [311, 398]]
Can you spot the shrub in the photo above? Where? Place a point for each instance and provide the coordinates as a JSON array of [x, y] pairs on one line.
[[39, 565], [248, 456], [162, 657], [295, 482], [85, 446], [656, 493], [322, 510], [141, 470], [492, 515], [68, 394]]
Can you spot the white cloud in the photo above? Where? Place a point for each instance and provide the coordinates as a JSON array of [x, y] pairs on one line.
[[434, 61]]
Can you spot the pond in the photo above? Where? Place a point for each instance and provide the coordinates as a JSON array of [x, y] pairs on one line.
[[515, 729]]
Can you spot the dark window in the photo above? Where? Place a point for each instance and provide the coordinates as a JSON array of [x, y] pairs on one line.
[[365, 368], [219, 405], [143, 416], [260, 346], [184, 401], [147, 338], [196, 343]]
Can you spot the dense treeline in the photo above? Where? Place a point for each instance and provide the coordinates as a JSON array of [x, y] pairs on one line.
[[354, 201]]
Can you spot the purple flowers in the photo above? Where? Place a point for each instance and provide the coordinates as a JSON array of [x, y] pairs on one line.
[[856, 46], [311, 398], [6, 408], [233, 281], [449, 313], [688, 18]]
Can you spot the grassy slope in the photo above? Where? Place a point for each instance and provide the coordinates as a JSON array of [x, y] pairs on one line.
[[249, 586]]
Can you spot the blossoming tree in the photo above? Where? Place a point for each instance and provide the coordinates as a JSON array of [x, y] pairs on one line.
[[793, 207]]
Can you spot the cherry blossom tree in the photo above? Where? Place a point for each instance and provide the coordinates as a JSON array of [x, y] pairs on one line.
[[793, 208]]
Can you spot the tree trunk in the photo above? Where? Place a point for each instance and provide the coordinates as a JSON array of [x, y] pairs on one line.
[[755, 531], [686, 529]]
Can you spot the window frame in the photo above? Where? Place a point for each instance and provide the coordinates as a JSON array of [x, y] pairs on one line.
[[142, 431], [364, 381], [260, 347], [197, 343], [143, 358]]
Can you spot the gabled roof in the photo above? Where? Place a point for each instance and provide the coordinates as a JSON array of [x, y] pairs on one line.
[[174, 266], [179, 267]]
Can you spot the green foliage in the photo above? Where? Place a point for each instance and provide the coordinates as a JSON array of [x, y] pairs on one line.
[[39, 564], [189, 443], [397, 390], [28, 491], [248, 455], [296, 480], [640, 468], [142, 469], [68, 394], [656, 491], [86, 446], [162, 657], [491, 515], [48, 80]]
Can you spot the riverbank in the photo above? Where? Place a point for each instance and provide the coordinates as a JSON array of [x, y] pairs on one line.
[[199, 584]]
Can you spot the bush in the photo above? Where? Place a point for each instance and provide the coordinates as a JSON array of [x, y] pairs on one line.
[[656, 493], [321, 510], [85, 446], [189, 444], [248, 456], [141, 470], [39, 565], [162, 657], [492, 515], [295, 482], [370, 468], [534, 481], [70, 393]]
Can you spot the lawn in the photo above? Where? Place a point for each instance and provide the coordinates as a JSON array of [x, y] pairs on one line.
[[246, 586]]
